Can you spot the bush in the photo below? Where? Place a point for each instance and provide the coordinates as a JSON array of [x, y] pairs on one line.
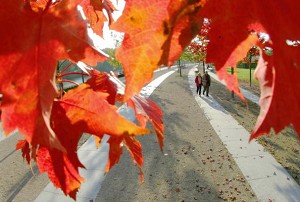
[[244, 65]]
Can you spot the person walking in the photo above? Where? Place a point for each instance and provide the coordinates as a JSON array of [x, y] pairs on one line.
[[206, 83], [198, 81]]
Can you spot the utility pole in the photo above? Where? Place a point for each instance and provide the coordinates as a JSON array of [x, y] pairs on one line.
[[179, 67], [250, 68], [232, 72], [252, 52]]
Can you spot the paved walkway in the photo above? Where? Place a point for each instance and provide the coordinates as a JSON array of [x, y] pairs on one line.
[[268, 179]]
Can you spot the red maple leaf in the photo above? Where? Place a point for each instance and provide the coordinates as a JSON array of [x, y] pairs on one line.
[[115, 151], [35, 37], [88, 105], [86, 109], [134, 148], [230, 39], [102, 82], [62, 169], [145, 109], [38, 33], [24, 146]]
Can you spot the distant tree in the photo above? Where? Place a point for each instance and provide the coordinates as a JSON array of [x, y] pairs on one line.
[[187, 56], [112, 59]]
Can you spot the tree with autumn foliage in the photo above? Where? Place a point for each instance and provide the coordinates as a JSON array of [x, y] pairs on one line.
[[198, 49], [199, 44], [251, 58], [37, 34]]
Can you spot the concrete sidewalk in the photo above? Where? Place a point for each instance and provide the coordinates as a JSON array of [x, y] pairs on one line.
[[268, 179], [248, 95]]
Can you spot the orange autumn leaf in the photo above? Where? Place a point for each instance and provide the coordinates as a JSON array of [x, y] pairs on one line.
[[34, 39], [93, 9], [156, 32], [98, 140], [39, 5]]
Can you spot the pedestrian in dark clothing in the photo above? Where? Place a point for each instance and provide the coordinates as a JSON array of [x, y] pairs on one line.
[[198, 81], [206, 83]]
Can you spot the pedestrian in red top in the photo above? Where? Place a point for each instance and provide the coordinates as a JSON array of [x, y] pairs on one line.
[[198, 81]]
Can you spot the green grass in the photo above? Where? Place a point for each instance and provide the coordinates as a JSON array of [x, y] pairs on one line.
[[244, 74]]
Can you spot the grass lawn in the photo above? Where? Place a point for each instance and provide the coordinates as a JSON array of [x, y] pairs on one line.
[[244, 74], [284, 146]]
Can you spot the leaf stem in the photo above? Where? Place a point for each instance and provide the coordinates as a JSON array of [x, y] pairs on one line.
[[71, 73], [67, 67], [73, 82]]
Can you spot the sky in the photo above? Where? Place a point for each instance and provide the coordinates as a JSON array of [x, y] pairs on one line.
[[110, 37]]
